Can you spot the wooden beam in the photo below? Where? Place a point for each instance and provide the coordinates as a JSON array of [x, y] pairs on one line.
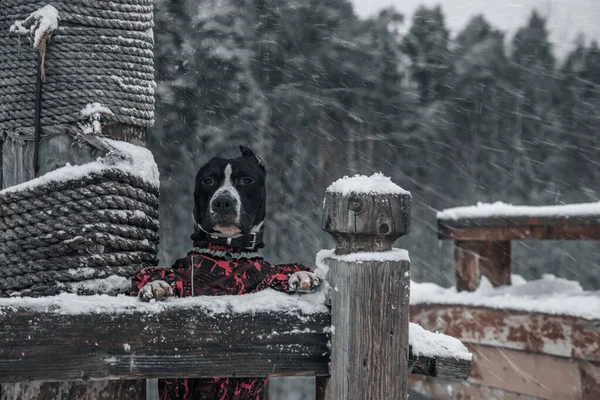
[[44, 346], [51, 347], [446, 368], [521, 228], [557, 335]]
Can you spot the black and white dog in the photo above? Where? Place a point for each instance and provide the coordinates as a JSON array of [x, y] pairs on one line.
[[229, 214]]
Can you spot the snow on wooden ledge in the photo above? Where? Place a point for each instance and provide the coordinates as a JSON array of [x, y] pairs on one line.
[[263, 301], [374, 184], [549, 295], [140, 164], [500, 209], [435, 344], [392, 255]]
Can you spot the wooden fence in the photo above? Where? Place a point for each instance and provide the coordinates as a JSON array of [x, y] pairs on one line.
[[359, 346]]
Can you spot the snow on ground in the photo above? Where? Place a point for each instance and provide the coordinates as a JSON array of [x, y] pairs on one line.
[[140, 163], [264, 301], [374, 184], [435, 344], [550, 295], [499, 209]]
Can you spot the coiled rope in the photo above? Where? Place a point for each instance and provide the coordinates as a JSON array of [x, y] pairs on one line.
[[102, 224], [100, 52], [57, 233]]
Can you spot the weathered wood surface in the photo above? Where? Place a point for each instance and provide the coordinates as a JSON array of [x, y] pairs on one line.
[[55, 152], [362, 222], [439, 389], [516, 355], [369, 299], [174, 344], [556, 335], [88, 390], [504, 374], [369, 353], [472, 259], [440, 367], [47, 346], [521, 228]]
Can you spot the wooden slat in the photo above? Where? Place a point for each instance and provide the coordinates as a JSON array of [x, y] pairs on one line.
[[521, 228], [51, 347], [178, 343], [441, 367], [81, 390], [510, 375], [438, 389], [531, 374], [557, 335]]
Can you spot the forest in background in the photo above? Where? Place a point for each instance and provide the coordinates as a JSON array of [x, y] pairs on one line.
[[320, 93]]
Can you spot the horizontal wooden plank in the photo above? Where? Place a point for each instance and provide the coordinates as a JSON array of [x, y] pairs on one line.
[[557, 335], [51, 347], [530, 374], [179, 343], [439, 389], [520, 228], [510, 374], [440, 367]]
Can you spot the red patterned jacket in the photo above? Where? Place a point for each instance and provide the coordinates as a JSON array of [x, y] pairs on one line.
[[201, 274]]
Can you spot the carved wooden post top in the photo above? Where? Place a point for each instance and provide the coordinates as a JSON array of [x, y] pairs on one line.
[[366, 213]]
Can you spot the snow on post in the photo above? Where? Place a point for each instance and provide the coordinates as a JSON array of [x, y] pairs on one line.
[[366, 213], [369, 288]]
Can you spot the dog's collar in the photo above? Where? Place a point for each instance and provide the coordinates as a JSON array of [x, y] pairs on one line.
[[247, 241], [223, 252]]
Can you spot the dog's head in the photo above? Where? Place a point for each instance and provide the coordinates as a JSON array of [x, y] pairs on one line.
[[229, 195]]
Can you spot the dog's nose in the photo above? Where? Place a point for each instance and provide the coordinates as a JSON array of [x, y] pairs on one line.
[[223, 203]]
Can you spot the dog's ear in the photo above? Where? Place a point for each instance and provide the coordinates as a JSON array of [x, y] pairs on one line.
[[248, 153]]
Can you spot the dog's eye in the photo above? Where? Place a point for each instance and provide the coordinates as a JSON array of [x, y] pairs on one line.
[[246, 181], [208, 181]]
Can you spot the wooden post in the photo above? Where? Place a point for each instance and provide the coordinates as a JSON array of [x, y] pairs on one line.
[[476, 258], [369, 291]]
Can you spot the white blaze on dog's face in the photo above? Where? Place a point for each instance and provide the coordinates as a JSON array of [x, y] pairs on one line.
[[226, 199], [229, 197]]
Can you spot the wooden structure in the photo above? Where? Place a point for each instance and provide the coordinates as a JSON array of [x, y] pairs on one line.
[[41, 114], [482, 243], [366, 329], [368, 292], [517, 354]]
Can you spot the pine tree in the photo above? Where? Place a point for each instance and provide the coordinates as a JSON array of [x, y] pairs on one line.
[[427, 45], [578, 101], [535, 139]]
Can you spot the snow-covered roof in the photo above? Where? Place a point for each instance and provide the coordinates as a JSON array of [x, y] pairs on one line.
[[374, 184], [499, 209], [141, 164], [549, 295]]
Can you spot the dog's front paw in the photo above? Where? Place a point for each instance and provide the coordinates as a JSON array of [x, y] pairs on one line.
[[157, 290], [304, 282]]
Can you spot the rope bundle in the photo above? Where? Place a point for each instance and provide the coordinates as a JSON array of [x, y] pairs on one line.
[[61, 232], [101, 52]]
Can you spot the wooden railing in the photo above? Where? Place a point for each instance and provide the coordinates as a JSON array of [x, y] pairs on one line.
[[483, 236], [358, 344]]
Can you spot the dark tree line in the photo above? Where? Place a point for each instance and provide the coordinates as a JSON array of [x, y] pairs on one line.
[[320, 94]]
